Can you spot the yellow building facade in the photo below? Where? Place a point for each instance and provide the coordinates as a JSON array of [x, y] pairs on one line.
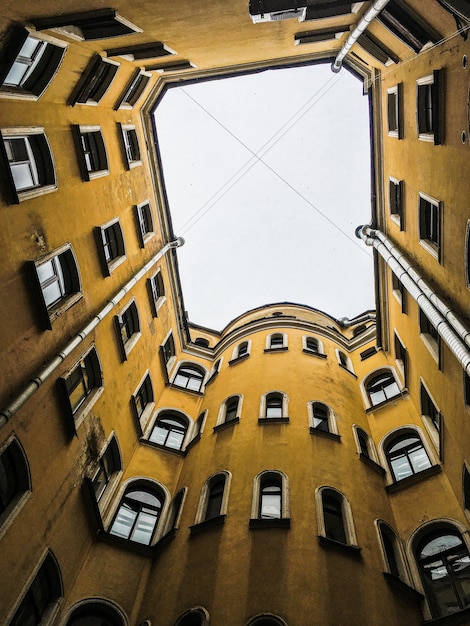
[[292, 468]]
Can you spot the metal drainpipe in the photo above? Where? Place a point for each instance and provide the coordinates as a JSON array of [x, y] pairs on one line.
[[36, 381], [362, 25], [452, 339], [366, 317]]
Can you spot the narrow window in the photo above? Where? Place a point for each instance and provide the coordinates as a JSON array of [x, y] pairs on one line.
[[189, 377], [344, 361], [89, 25], [429, 335], [195, 617], [467, 255], [138, 514], [443, 561], [274, 405], [168, 350], [83, 384], [364, 443], [394, 562], [130, 146], [175, 509], [401, 357], [144, 221], [276, 342], [382, 387], [406, 456], [270, 500], [320, 417], [108, 464], [333, 516], [466, 388], [44, 591], [14, 478], [29, 163], [429, 211], [133, 90], [395, 200], [407, 25], [31, 64], [394, 111], [214, 497], [150, 50], [169, 431], [242, 349], [95, 81], [312, 345], [110, 243], [429, 107], [128, 329], [156, 289], [466, 487], [429, 409], [399, 292], [143, 397], [91, 151], [231, 409], [95, 613]]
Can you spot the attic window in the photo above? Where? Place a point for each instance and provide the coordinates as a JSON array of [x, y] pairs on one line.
[[329, 8], [89, 25], [201, 341], [151, 50]]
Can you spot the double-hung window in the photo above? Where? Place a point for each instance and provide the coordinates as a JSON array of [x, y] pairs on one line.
[[130, 144], [430, 107], [156, 290], [128, 329], [91, 151], [430, 227], [94, 82], [144, 221], [395, 111], [396, 201], [110, 244], [133, 90], [88, 25]]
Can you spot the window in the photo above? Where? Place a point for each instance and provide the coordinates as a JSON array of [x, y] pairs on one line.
[[89, 25], [381, 387], [202, 342], [407, 25], [267, 620], [133, 90], [431, 415], [151, 50], [189, 377], [15, 480], [168, 352], [365, 445], [199, 426], [430, 224], [368, 352], [395, 199], [29, 65], [322, 10], [29, 163], [215, 497], [392, 552], [278, 341], [214, 500], [110, 244], [274, 406], [57, 283], [144, 221], [94, 82], [176, 508], [40, 601], [395, 111], [344, 361], [230, 410], [312, 345], [406, 456], [169, 430], [130, 145], [270, 500], [194, 617], [322, 419], [377, 49], [430, 107], [429, 335], [314, 36], [335, 517], [401, 357], [443, 561], [96, 613], [156, 289], [270, 504], [128, 329], [399, 292], [91, 152], [138, 513], [108, 465], [82, 386], [242, 350], [466, 487], [143, 401]]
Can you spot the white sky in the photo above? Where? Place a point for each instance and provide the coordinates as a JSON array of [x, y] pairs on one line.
[[253, 225]]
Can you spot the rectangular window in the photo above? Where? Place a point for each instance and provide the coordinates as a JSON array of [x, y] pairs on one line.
[[377, 49], [110, 244], [401, 357], [94, 82], [168, 355], [429, 211], [395, 111], [327, 8], [396, 201], [407, 25], [133, 90], [430, 107], [108, 464], [399, 292], [144, 220], [88, 25], [130, 146], [325, 34], [91, 151], [30, 63], [429, 335], [429, 409], [28, 163], [128, 329], [81, 387], [156, 289], [137, 52], [143, 397]]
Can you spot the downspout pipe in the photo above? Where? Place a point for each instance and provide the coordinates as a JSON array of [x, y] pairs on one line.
[[413, 283], [345, 322], [361, 26], [43, 374]]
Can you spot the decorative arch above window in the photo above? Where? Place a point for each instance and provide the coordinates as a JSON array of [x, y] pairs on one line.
[[189, 376], [442, 558], [381, 386], [274, 407], [322, 420], [335, 521], [97, 611], [270, 505], [139, 512], [169, 430], [197, 616]]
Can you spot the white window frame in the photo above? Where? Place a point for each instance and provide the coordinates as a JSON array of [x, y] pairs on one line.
[[179, 414], [285, 406], [332, 424], [399, 551], [435, 434], [396, 91], [221, 418], [195, 365], [203, 498], [235, 356], [285, 492], [108, 492], [375, 372], [373, 456], [349, 367], [145, 206], [349, 529], [399, 216], [156, 303], [130, 88], [87, 174], [305, 348], [434, 249], [127, 146], [127, 346], [144, 417], [433, 345], [88, 77], [401, 365], [285, 342], [109, 266]]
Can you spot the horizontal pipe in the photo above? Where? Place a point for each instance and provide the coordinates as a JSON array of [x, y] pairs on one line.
[[361, 26], [44, 373], [426, 299]]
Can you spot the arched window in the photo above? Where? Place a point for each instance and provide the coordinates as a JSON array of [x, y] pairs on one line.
[[276, 341], [406, 455], [266, 620], [392, 551], [312, 345], [96, 613], [242, 349], [230, 409], [274, 405], [45, 590], [381, 387], [344, 361], [109, 464], [444, 565], [189, 377], [14, 477], [215, 497], [270, 497], [335, 520], [169, 430], [175, 509], [194, 617], [202, 341], [138, 514], [365, 444], [320, 416]]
